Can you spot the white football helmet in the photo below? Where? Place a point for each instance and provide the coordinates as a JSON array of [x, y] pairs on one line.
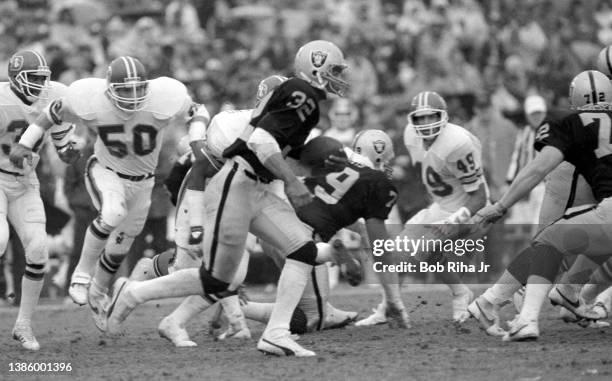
[[590, 90], [428, 115], [321, 64], [604, 61], [377, 146]]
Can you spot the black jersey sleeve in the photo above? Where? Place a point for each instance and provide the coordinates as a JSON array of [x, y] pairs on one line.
[[382, 196], [558, 134], [175, 178]]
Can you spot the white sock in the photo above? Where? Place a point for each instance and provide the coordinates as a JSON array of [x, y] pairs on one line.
[[458, 288], [314, 299], [195, 204], [180, 283], [536, 292], [293, 279], [606, 298], [30, 293], [190, 307], [231, 307], [503, 290], [106, 268], [92, 247], [258, 311]]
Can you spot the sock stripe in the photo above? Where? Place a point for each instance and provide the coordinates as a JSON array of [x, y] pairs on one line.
[[33, 276], [315, 286], [95, 230], [108, 264], [156, 269], [35, 266]]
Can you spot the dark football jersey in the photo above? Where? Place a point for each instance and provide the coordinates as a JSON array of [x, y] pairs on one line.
[[175, 178], [585, 139], [342, 197], [288, 114]]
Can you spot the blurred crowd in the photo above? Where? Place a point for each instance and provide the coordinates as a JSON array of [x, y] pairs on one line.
[[484, 56]]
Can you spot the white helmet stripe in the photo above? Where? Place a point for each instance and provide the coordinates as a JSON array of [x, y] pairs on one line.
[[133, 63], [127, 67]]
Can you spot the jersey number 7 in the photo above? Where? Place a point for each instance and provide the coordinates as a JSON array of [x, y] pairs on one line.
[[603, 123]]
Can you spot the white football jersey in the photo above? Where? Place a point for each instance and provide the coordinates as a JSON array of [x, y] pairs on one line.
[[127, 142], [451, 167], [16, 116], [224, 129]]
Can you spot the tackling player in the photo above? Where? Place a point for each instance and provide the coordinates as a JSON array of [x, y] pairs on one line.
[[450, 158], [22, 100], [128, 113], [582, 139], [239, 199]]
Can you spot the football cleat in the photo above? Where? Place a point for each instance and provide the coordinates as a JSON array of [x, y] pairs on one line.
[[78, 288], [350, 267], [282, 346], [568, 316], [397, 316], [522, 330], [558, 297], [98, 301], [24, 334], [143, 270], [460, 305], [487, 315], [377, 317], [121, 305], [177, 335], [336, 318], [597, 311]]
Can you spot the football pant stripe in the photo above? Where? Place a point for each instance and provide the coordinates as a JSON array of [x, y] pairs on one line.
[[609, 59], [97, 195], [215, 240], [572, 196]]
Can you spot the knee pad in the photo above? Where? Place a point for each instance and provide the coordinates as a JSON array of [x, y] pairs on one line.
[[36, 249], [214, 289], [306, 254], [519, 267], [113, 213], [546, 261]]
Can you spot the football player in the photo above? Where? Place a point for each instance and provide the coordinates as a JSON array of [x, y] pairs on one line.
[[239, 199], [450, 158], [128, 113], [22, 100], [583, 140]]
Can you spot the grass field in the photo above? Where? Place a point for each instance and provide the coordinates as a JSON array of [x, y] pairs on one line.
[[432, 350]]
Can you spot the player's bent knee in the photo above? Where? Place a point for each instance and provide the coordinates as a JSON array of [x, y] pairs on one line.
[[113, 214], [212, 285], [36, 249], [306, 254]]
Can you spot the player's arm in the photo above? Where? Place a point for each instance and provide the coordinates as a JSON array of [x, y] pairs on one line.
[[198, 119], [267, 150]]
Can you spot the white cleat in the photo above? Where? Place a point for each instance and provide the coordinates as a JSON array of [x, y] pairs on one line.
[[597, 311], [282, 346], [121, 305], [98, 301], [170, 330], [397, 316], [522, 330], [336, 318], [460, 305], [23, 332], [378, 317], [487, 315], [143, 270], [78, 293]]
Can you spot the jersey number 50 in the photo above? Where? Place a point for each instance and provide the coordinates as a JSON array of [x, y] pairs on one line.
[[143, 136]]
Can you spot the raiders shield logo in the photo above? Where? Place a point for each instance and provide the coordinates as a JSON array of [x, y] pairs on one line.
[[16, 62], [379, 146], [318, 58]]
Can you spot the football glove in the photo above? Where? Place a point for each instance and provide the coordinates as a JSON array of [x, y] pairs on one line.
[[18, 153], [489, 214], [68, 154]]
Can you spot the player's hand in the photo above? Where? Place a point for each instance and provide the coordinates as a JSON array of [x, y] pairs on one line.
[[298, 194], [18, 153], [198, 149], [68, 153], [489, 214]]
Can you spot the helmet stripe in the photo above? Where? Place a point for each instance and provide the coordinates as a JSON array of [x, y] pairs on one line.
[[593, 89], [127, 67], [41, 59], [133, 63], [609, 59], [426, 100]]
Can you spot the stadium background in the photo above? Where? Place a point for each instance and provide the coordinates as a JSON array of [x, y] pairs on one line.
[[485, 57]]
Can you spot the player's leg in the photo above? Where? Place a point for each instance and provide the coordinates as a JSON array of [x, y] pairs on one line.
[[108, 196], [277, 224], [580, 233], [228, 205], [27, 216], [600, 280]]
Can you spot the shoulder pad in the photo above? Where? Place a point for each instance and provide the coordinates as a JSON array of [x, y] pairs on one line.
[[57, 90], [457, 139], [297, 84], [167, 97], [84, 96]]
